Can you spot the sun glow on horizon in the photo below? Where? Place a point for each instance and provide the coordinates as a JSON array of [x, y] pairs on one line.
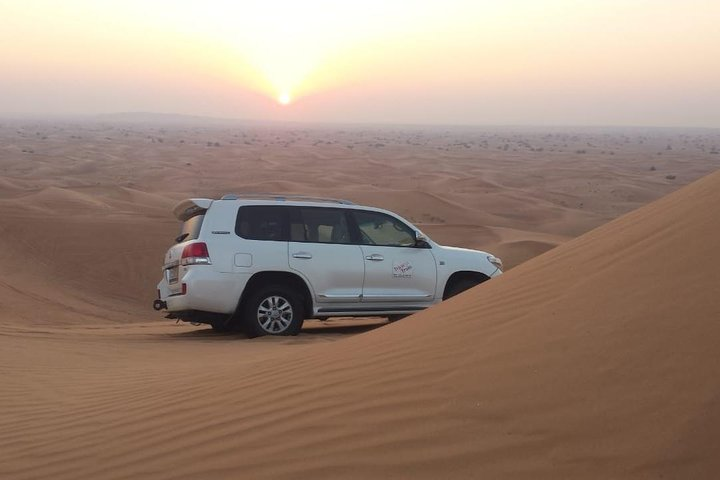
[[308, 48], [454, 61], [284, 98]]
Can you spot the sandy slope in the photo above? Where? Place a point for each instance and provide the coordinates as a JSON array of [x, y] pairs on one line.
[[74, 257], [598, 359]]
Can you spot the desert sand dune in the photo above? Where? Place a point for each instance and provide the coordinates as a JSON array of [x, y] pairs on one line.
[[522, 250], [56, 201], [597, 359]]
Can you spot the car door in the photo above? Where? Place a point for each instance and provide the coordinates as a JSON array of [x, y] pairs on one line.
[[322, 251], [396, 271]]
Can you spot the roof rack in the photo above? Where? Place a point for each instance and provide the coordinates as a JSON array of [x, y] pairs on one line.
[[282, 197]]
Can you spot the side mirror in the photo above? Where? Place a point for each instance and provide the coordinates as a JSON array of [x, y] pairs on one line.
[[421, 241]]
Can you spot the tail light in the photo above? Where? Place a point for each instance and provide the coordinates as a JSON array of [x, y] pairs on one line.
[[195, 254]]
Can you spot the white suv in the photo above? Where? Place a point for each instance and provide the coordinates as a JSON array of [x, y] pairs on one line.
[[268, 262]]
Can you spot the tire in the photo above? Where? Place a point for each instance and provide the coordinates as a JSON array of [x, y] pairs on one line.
[[460, 286], [273, 310]]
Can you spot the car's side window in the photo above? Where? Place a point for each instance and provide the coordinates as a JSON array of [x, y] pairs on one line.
[[380, 229], [319, 225], [262, 223]]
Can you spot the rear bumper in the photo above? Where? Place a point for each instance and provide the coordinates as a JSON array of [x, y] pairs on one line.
[[205, 290]]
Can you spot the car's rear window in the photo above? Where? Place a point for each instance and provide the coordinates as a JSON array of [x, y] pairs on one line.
[[190, 229], [262, 223]]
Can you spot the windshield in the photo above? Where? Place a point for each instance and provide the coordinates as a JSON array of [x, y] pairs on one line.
[[190, 229]]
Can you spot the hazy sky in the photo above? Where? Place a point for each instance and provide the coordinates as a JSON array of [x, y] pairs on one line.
[[541, 62]]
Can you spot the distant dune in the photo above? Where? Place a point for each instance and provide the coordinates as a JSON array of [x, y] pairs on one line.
[[165, 118]]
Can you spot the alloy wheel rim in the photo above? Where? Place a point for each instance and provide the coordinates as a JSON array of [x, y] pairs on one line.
[[274, 314]]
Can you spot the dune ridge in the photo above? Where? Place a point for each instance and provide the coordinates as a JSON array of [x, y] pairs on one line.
[[597, 359]]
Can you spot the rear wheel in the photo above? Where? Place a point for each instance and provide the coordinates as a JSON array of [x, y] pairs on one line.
[[273, 310]]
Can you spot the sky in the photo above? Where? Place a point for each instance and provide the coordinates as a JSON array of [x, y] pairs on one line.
[[481, 62]]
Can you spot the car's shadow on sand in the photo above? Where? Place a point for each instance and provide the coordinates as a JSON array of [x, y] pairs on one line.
[[312, 329]]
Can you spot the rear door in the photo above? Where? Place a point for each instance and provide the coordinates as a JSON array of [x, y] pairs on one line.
[[260, 243], [321, 250], [189, 231], [397, 274]]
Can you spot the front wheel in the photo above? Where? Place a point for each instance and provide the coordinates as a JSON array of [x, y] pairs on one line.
[[273, 310], [460, 286]]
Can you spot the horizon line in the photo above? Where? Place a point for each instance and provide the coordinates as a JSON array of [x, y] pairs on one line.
[[220, 119]]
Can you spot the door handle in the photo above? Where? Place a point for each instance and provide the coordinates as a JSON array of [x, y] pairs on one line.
[[375, 257], [305, 255]]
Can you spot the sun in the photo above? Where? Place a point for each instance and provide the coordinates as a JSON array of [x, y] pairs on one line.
[[284, 98]]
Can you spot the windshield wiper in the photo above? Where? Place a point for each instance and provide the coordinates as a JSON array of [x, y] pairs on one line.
[[181, 237]]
